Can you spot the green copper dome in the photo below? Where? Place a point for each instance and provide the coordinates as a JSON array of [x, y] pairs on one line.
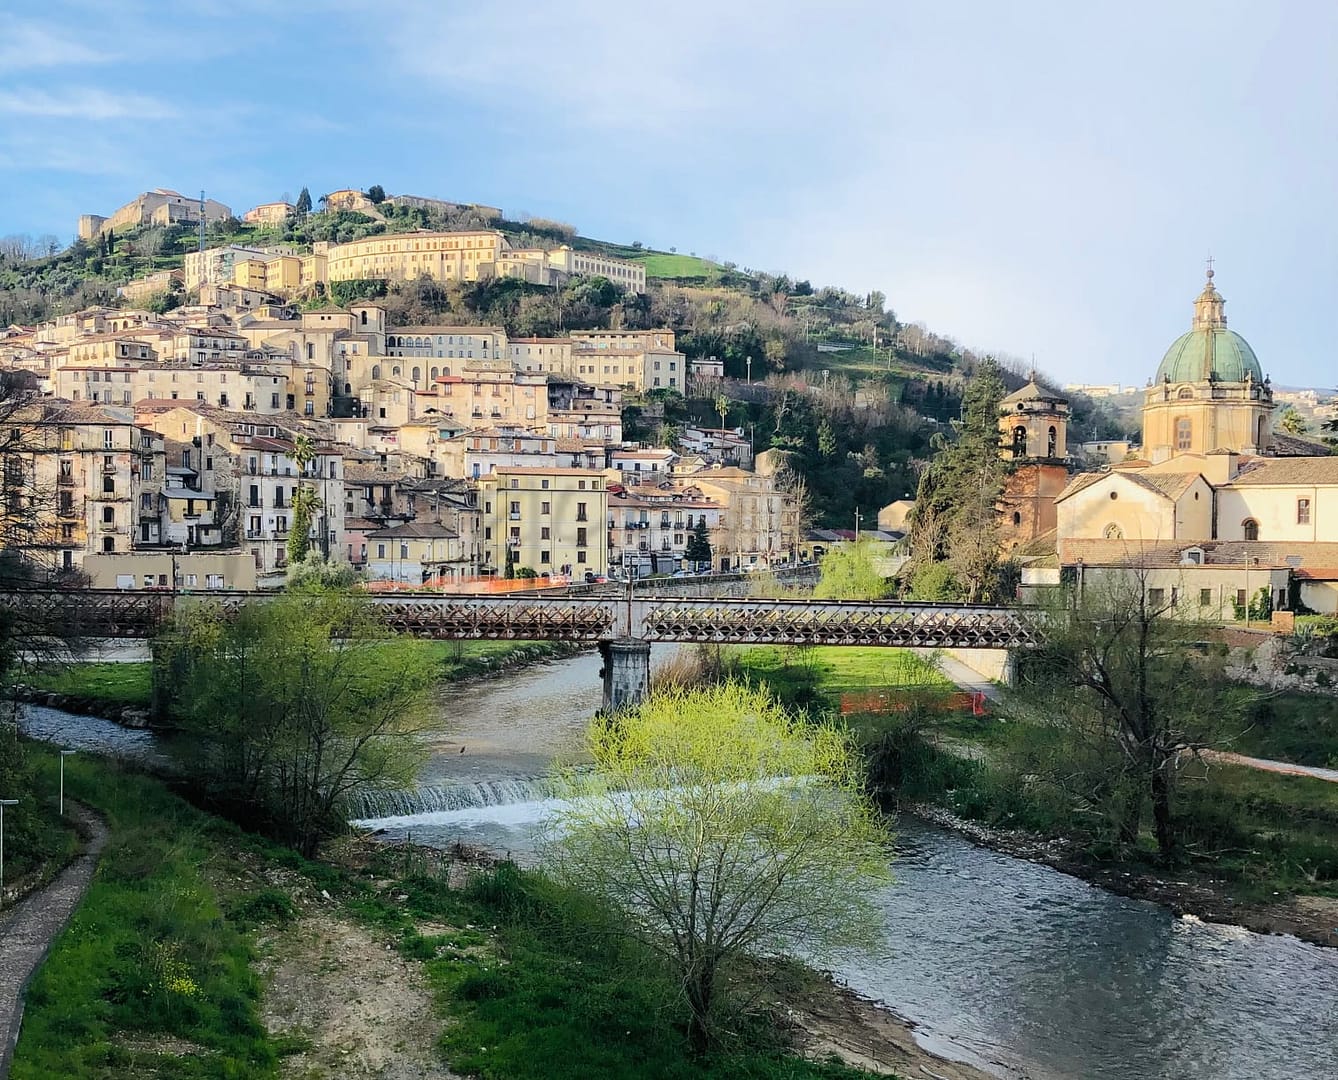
[[1209, 352]]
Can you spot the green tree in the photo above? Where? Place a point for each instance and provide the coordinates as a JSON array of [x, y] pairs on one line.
[[698, 549], [303, 206], [723, 828], [722, 407], [376, 194], [1119, 671], [826, 438], [955, 519], [305, 502], [1291, 421], [297, 706], [851, 572]]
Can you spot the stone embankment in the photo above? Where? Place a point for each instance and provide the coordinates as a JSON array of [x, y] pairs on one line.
[[132, 716]]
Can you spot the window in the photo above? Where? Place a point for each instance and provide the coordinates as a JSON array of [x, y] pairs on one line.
[[1156, 597], [1019, 441], [1184, 433], [1205, 598], [108, 544], [404, 551], [580, 512], [109, 485], [580, 557], [1240, 598], [108, 515], [1185, 394], [1303, 511], [1113, 532], [107, 435], [515, 510], [545, 533], [581, 537], [1017, 518], [1250, 529], [546, 508], [544, 556], [487, 532], [544, 484]]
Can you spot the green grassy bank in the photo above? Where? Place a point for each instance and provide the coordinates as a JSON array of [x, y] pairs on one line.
[[1257, 835], [131, 683], [156, 975]]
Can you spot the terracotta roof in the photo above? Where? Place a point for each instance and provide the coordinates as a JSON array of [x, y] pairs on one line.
[[415, 530], [1285, 445], [1262, 553], [1288, 470], [1171, 485]]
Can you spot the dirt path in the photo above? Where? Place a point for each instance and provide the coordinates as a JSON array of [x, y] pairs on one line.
[[28, 929], [366, 1010]]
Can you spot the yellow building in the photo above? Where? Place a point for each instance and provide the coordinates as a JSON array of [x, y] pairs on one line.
[[491, 394], [1209, 392], [272, 213], [624, 272], [551, 520], [454, 256]]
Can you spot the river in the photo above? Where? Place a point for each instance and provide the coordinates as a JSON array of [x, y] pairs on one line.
[[1013, 967]]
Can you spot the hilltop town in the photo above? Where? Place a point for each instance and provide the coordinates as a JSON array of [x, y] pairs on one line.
[[439, 452]]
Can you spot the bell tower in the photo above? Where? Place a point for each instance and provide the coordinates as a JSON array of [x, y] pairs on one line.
[[1033, 439]]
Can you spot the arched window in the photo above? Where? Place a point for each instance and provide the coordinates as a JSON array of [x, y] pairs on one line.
[[1019, 441], [376, 371], [1053, 444], [1113, 532], [1184, 433], [395, 370], [1250, 529], [435, 372], [446, 371], [364, 318], [1017, 517], [1186, 394], [348, 389], [417, 374]]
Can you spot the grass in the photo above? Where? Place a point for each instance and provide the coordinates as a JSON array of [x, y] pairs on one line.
[[122, 684], [817, 676], [553, 997], [1295, 727], [660, 265], [160, 947], [131, 683]]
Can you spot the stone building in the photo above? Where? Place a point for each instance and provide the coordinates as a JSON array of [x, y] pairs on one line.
[[1033, 425]]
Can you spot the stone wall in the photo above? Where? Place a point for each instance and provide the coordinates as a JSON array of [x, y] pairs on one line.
[[1274, 663]]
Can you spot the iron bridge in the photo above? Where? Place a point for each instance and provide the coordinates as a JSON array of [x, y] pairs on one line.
[[110, 613]]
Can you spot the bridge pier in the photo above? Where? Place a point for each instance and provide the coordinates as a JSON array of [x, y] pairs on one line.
[[626, 672]]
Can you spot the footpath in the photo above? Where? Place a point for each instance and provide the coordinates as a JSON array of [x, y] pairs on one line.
[[28, 929]]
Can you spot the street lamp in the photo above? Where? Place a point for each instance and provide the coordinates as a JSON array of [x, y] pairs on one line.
[[3, 804], [63, 755]]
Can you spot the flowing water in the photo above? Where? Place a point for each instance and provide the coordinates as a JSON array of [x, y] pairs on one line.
[[1013, 967]]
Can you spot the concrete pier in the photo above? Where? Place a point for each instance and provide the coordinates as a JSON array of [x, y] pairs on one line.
[[626, 672]]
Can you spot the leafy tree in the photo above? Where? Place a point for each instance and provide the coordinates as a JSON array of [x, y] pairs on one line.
[[1119, 670], [850, 572], [376, 194], [698, 549], [304, 202], [723, 827], [826, 439], [1291, 421], [298, 705]]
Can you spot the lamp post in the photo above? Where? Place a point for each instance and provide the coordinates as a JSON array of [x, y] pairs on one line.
[[63, 755], [3, 804]]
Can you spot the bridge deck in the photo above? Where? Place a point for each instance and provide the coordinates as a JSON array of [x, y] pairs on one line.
[[118, 614]]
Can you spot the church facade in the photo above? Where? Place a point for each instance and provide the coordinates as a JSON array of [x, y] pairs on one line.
[[1216, 515]]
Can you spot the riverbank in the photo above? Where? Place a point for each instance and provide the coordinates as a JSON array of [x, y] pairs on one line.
[[207, 951], [1262, 849], [123, 691]]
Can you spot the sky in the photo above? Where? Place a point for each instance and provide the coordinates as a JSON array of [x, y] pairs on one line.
[[1043, 180]]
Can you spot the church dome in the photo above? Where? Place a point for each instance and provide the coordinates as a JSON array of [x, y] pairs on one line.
[[1209, 351]]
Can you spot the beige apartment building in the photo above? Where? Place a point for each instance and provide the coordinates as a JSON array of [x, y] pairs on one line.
[[271, 213], [489, 394], [455, 256], [630, 275], [759, 523], [649, 528], [551, 520]]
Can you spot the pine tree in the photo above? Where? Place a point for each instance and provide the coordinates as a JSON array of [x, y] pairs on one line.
[[304, 202], [698, 550]]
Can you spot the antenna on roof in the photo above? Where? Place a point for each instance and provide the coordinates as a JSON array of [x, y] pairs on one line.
[[202, 222]]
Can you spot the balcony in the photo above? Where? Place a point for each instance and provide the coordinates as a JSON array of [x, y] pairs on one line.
[[65, 480]]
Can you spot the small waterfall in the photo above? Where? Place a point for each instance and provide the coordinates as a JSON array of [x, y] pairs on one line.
[[374, 805]]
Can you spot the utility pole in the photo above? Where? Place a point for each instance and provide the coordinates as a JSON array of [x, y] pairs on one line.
[[857, 517]]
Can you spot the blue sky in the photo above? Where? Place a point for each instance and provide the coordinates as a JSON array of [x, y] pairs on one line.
[[1032, 178]]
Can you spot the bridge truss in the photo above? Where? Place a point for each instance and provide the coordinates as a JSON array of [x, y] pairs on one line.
[[96, 613]]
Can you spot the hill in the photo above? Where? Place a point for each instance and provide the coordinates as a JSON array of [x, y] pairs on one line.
[[834, 378]]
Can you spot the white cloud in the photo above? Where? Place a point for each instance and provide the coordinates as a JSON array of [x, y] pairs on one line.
[[84, 103], [28, 45]]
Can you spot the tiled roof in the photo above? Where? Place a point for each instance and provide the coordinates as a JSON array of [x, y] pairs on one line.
[[415, 530], [1288, 470], [1171, 485], [1261, 553]]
